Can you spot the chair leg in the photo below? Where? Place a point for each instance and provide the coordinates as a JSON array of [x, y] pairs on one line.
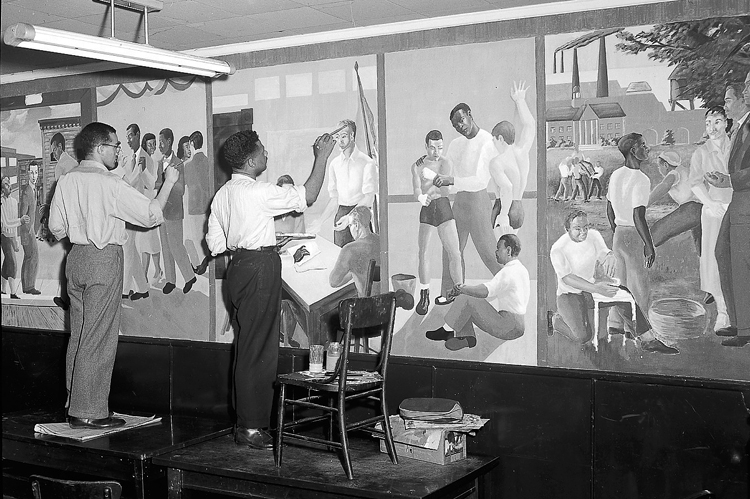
[[330, 422], [280, 425], [344, 437], [387, 430]]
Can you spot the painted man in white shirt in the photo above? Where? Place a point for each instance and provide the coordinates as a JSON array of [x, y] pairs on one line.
[[352, 181], [470, 155], [627, 198], [575, 257], [510, 286]]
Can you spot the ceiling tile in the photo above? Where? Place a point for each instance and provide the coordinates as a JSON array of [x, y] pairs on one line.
[[13, 13], [360, 11], [273, 22], [431, 8], [192, 11], [245, 7]]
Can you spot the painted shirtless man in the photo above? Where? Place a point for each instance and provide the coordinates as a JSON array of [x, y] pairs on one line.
[[510, 168], [436, 213]]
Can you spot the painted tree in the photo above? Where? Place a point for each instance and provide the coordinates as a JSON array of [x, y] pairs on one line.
[[709, 53], [668, 137]]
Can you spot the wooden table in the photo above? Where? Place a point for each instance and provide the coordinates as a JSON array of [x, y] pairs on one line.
[[311, 289], [124, 456], [220, 466]]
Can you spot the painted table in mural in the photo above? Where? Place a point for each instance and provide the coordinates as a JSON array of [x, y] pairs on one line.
[[311, 289]]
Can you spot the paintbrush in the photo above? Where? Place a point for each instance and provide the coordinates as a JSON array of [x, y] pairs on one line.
[[338, 130]]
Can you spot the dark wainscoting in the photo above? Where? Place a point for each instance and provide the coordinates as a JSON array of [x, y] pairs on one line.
[[560, 433]]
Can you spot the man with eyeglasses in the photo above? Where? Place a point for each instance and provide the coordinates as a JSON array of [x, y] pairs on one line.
[[576, 256], [90, 207]]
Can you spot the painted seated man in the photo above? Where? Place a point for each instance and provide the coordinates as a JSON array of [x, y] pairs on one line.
[[471, 306]]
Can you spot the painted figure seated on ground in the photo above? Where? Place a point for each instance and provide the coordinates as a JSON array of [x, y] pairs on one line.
[[471, 305]]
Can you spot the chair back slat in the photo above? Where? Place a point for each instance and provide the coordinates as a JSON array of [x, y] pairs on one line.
[[43, 487]]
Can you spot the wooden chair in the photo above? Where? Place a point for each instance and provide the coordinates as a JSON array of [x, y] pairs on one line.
[[373, 275], [332, 393], [51, 488]]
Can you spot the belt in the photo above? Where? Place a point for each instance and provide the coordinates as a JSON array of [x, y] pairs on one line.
[[255, 250]]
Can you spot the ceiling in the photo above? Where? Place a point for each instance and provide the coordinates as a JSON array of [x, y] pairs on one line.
[[192, 24]]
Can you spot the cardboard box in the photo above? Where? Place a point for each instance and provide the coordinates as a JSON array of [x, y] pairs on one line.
[[437, 446], [451, 448]]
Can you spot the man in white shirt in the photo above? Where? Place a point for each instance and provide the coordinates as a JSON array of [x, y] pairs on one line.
[[352, 181], [565, 189], [471, 306], [470, 155], [575, 257], [241, 221], [90, 207], [627, 199], [134, 284]]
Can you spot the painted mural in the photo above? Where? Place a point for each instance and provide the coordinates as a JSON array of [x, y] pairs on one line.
[[641, 123], [289, 106], [166, 287], [36, 143], [461, 200]]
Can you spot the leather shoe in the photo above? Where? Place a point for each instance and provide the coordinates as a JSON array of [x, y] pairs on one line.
[[726, 331], [189, 285], [460, 342], [736, 341], [33, 291], [440, 334], [657, 346], [96, 424], [168, 288], [254, 438], [424, 301]]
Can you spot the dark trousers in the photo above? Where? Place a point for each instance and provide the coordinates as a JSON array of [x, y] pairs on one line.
[[733, 256], [30, 265], [94, 287], [596, 184], [254, 282]]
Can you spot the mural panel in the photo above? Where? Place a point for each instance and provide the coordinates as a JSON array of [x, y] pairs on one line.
[[36, 143], [639, 273], [461, 175], [289, 106]]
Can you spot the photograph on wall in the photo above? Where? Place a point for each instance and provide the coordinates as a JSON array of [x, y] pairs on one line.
[[166, 283], [37, 147], [289, 106], [461, 224], [644, 125]]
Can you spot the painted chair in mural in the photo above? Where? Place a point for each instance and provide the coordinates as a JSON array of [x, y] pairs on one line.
[[52, 488], [329, 394]]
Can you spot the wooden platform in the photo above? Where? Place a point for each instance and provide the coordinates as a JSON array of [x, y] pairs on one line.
[[33, 314], [125, 456], [220, 466]]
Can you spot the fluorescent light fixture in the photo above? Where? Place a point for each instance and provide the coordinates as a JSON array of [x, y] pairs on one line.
[[109, 49]]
